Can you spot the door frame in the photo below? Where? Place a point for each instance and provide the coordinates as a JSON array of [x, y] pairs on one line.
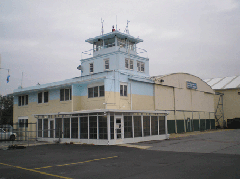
[[116, 125]]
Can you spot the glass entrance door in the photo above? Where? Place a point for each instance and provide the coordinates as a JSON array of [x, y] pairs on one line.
[[119, 129]]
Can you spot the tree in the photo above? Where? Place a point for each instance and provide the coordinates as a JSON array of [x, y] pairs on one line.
[[6, 110]]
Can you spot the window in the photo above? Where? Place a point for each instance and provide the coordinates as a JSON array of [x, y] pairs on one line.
[[97, 91], [140, 66], [23, 100], [106, 64], [84, 127], [137, 126], [93, 127], [154, 125], [43, 97], [58, 128], [65, 94], [238, 93], [162, 125], [66, 129], [128, 127], [126, 63], [146, 125], [39, 127], [129, 64], [23, 123], [74, 128], [123, 90], [91, 67], [102, 123]]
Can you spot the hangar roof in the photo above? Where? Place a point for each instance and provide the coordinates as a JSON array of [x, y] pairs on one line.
[[224, 83]]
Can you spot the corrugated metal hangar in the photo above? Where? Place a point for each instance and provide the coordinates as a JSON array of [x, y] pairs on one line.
[[227, 100]]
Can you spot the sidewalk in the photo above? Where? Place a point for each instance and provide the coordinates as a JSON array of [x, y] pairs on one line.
[[186, 134], [5, 144]]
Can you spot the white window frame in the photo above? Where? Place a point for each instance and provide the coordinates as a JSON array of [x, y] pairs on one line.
[[140, 65], [128, 62], [106, 61], [64, 94], [23, 97], [43, 100], [123, 92], [91, 67], [98, 87], [25, 121]]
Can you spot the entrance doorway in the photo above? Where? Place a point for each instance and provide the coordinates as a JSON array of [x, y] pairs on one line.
[[119, 129]]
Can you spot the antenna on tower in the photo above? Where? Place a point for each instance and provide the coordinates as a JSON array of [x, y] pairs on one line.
[[102, 25], [116, 22], [126, 30]]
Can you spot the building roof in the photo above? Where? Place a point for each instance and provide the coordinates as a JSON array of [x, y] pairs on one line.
[[113, 34], [224, 83]]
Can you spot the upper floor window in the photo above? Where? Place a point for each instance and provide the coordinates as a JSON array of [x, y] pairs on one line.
[[65, 94], [123, 90], [96, 91], [129, 64], [43, 97], [106, 64], [22, 100], [126, 63], [91, 67], [140, 66]]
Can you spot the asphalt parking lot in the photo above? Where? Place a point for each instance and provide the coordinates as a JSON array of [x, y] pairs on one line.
[[210, 155]]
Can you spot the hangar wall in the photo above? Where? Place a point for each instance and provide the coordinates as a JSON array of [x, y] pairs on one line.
[[190, 109]]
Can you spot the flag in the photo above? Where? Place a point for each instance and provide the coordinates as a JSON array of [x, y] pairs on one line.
[[8, 78]]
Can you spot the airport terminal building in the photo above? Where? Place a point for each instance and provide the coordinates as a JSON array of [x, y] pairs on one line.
[[115, 100]]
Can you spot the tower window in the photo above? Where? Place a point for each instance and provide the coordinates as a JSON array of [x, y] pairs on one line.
[[91, 67], [106, 64], [140, 66], [129, 64], [126, 63]]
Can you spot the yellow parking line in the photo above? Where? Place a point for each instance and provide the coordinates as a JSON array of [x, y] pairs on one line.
[[36, 171], [77, 162]]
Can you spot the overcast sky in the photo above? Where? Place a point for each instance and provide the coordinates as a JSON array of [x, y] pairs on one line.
[[45, 39]]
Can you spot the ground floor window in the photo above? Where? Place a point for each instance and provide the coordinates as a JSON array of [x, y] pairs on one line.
[[102, 123], [161, 125], [66, 127], [93, 127], [154, 125], [58, 127], [128, 127], [146, 125], [74, 128], [45, 127], [137, 126], [84, 127], [112, 127], [39, 127]]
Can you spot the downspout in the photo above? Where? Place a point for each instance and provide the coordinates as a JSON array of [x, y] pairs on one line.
[[131, 94], [72, 97]]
